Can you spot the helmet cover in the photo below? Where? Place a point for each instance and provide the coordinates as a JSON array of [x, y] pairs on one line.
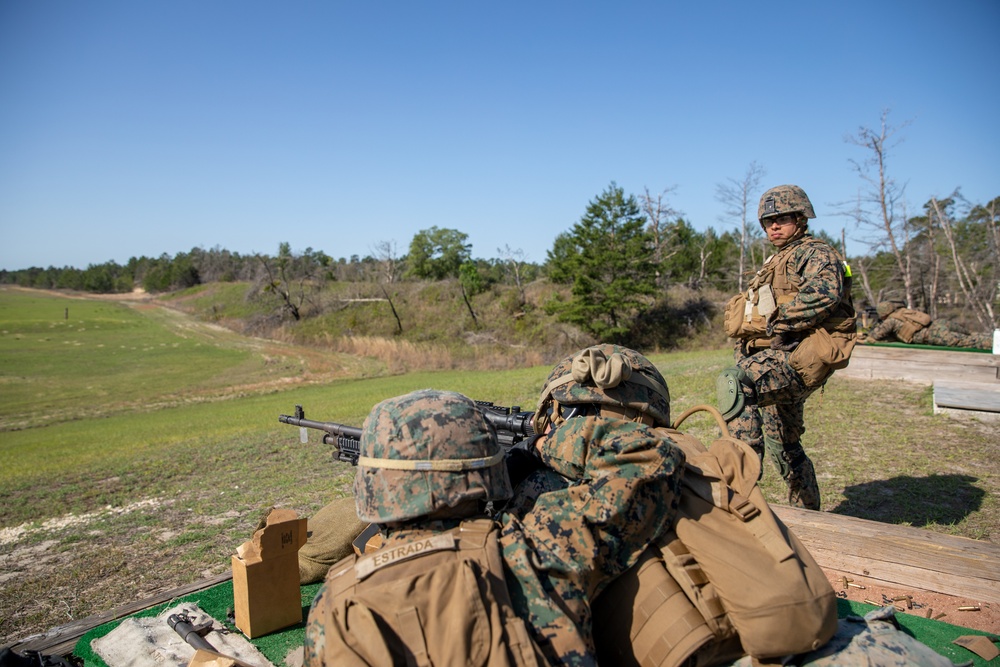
[[425, 453], [609, 375], [782, 200]]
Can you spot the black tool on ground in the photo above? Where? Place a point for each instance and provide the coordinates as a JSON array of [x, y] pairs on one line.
[[192, 634]]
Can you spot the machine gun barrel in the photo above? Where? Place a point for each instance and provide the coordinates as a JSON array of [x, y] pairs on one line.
[[346, 439], [512, 425], [332, 428]]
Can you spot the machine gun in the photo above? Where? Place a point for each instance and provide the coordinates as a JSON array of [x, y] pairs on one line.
[[511, 424]]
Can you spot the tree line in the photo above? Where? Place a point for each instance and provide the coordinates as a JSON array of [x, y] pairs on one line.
[[617, 261]]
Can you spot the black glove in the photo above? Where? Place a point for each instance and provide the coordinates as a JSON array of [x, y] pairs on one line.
[[785, 341]]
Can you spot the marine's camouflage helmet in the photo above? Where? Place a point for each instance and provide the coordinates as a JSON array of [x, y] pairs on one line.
[[887, 308], [425, 453], [608, 375], [784, 199]]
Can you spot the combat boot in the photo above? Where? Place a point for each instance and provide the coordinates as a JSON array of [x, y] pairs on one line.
[[803, 489]]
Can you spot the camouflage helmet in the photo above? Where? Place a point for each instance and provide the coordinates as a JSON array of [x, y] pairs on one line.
[[782, 200], [611, 376], [887, 308], [425, 454]]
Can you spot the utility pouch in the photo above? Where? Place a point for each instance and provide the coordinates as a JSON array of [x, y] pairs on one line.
[[822, 352], [743, 318]]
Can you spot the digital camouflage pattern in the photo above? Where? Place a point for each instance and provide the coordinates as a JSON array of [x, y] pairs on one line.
[[566, 536], [872, 641], [778, 390], [939, 332], [782, 200], [430, 426], [609, 375], [818, 268], [610, 489]]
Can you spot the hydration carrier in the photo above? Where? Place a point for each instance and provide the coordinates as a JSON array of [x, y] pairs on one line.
[[729, 579], [439, 599]]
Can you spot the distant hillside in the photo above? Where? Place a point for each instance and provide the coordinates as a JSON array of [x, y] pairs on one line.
[[430, 325]]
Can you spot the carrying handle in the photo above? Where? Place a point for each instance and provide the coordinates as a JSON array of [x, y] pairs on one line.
[[712, 410]]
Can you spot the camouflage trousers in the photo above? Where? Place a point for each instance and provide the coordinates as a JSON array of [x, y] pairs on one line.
[[938, 333], [773, 420]]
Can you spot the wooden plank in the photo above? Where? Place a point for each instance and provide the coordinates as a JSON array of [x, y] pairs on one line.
[[901, 556], [62, 639], [967, 396], [898, 555], [920, 365]]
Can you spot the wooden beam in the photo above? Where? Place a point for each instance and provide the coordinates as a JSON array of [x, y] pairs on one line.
[[901, 556], [913, 364], [980, 396]]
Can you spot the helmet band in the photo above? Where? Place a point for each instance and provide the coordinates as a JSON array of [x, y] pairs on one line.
[[445, 465]]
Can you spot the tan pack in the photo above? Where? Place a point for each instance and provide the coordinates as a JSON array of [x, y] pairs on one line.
[[438, 600], [824, 350], [913, 321], [749, 586]]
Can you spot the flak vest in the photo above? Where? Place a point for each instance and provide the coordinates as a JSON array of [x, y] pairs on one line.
[[825, 348], [436, 599], [913, 321], [728, 579]]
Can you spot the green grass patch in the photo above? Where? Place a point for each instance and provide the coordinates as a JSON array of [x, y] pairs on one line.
[[157, 479]]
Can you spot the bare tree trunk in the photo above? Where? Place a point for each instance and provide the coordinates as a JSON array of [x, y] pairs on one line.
[[738, 197], [981, 308], [660, 216], [515, 260], [883, 195], [866, 285], [392, 307], [468, 304], [278, 286], [935, 268]]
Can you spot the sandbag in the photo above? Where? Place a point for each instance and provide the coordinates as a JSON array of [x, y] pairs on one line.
[[331, 531]]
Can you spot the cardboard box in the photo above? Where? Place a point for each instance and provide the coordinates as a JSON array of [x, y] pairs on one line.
[[266, 593]]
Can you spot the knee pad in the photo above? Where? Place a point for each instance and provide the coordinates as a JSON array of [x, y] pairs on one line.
[[788, 458], [776, 452], [734, 390]]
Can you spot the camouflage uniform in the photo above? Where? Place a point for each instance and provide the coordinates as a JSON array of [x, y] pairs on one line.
[[937, 333], [619, 493], [618, 486], [770, 415], [778, 425], [872, 641]]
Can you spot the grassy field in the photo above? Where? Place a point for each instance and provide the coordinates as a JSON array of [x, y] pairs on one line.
[[139, 447]]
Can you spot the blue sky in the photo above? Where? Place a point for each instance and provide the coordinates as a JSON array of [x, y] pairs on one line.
[[138, 128]]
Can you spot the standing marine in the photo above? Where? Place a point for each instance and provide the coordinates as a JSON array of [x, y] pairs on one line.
[[454, 585], [793, 326]]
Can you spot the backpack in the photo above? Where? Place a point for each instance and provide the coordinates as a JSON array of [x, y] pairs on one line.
[[913, 321], [729, 578], [439, 599]]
